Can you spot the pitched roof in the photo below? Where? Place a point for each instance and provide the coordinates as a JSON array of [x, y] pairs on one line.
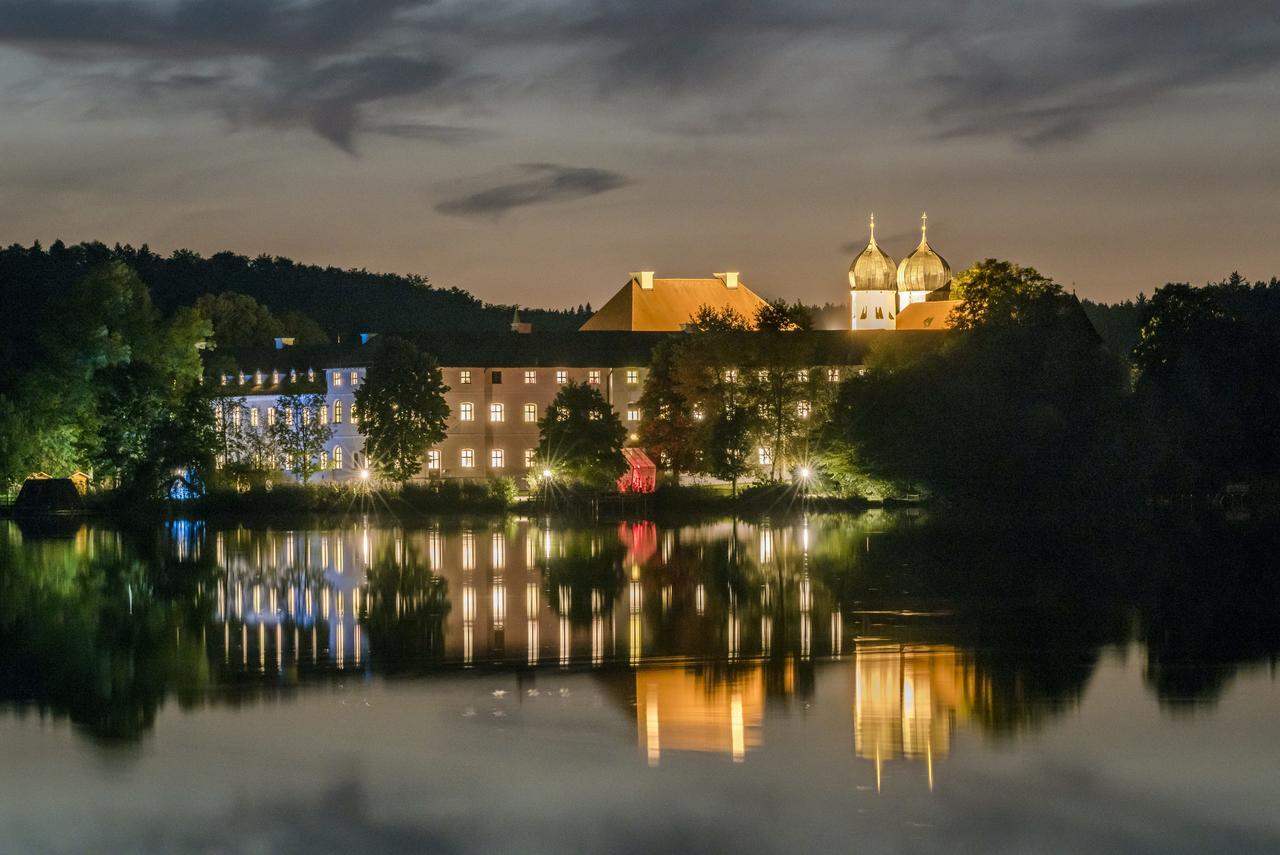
[[929, 315], [669, 304]]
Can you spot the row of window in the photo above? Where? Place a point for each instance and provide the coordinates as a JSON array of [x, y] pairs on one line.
[[255, 415], [531, 377], [802, 375], [467, 458]]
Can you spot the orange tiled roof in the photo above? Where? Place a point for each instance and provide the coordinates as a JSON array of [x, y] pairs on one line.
[[669, 304], [929, 315]]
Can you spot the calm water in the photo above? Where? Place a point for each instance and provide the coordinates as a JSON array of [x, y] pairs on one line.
[[878, 682]]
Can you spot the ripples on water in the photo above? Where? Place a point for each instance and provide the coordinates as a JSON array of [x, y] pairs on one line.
[[919, 683]]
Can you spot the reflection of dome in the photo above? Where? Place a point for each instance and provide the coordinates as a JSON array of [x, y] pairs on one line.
[[873, 269], [924, 269]]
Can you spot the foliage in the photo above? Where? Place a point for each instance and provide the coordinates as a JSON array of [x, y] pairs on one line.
[[581, 437], [778, 316], [300, 434], [729, 446], [668, 428], [239, 321], [994, 290], [402, 408], [710, 319]]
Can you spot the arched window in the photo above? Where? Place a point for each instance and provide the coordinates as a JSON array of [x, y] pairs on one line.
[[337, 412], [353, 413], [337, 457], [497, 412]]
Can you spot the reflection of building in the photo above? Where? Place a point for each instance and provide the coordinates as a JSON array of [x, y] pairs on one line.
[[681, 710], [906, 701]]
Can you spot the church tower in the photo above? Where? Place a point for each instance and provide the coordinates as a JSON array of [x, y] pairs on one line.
[[872, 293], [922, 272]]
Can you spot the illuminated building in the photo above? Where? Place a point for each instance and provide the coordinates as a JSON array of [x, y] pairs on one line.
[[911, 295], [646, 304]]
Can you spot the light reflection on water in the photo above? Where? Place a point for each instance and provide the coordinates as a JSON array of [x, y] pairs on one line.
[[829, 657]]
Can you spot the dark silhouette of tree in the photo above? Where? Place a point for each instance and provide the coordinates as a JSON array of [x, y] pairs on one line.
[[402, 408], [581, 437]]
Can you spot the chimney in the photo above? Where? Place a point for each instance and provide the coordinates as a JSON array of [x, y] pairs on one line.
[[645, 278], [729, 279]]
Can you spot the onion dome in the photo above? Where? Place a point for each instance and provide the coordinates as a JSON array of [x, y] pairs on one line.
[[873, 269], [924, 269]]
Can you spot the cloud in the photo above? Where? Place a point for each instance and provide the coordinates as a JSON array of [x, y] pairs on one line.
[[533, 184]]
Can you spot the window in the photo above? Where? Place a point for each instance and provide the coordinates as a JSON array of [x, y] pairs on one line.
[[311, 375], [293, 375], [353, 412], [271, 416], [433, 460], [337, 457], [355, 377], [497, 458], [466, 412], [863, 316], [337, 412], [530, 457], [531, 377], [633, 376], [530, 412], [833, 375], [764, 456], [495, 377], [235, 418], [697, 413], [464, 377], [731, 375], [254, 416], [324, 460], [324, 415], [306, 415], [879, 313], [762, 375], [802, 375], [633, 415], [595, 415], [337, 378], [593, 376], [802, 409], [497, 413], [275, 377], [562, 377], [468, 458], [288, 416]]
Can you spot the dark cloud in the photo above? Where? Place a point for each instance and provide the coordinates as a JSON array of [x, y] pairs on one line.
[[534, 184], [446, 134]]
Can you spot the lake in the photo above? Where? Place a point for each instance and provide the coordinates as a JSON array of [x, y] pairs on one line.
[[888, 681]]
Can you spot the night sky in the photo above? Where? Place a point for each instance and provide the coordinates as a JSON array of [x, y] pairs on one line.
[[537, 152]]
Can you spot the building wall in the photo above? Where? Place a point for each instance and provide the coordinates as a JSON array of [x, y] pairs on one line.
[[878, 307]]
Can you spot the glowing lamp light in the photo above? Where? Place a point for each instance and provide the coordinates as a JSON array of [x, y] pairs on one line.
[[546, 473], [805, 473], [364, 474]]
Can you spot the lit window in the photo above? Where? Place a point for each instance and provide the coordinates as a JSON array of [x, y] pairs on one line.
[[497, 412], [466, 412], [324, 460], [468, 458], [271, 416], [764, 456], [697, 414], [355, 377], [288, 416], [219, 461], [311, 375], [257, 378], [731, 375], [353, 412], [254, 416], [593, 376], [833, 375], [531, 377], [530, 457], [562, 377], [464, 376], [224, 379], [293, 375], [762, 375], [337, 412], [595, 415], [433, 459], [306, 415], [275, 377], [633, 415], [337, 457], [802, 375], [324, 415], [495, 377], [802, 409], [530, 412], [497, 458], [337, 378], [633, 376]]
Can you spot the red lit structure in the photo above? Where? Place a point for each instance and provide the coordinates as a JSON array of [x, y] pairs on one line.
[[641, 475]]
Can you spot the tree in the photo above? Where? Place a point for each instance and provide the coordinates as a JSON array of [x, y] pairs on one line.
[[239, 321], [668, 428], [300, 434], [777, 316], [997, 290], [710, 319], [402, 408], [581, 437], [729, 447]]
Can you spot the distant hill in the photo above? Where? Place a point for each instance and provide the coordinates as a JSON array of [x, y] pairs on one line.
[[340, 301]]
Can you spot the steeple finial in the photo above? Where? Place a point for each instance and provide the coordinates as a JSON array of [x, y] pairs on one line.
[[873, 227], [924, 227]]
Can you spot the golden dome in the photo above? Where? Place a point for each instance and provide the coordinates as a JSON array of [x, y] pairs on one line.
[[924, 269], [873, 269]]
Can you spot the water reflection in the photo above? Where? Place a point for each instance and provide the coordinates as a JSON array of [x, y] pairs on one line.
[[717, 626]]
